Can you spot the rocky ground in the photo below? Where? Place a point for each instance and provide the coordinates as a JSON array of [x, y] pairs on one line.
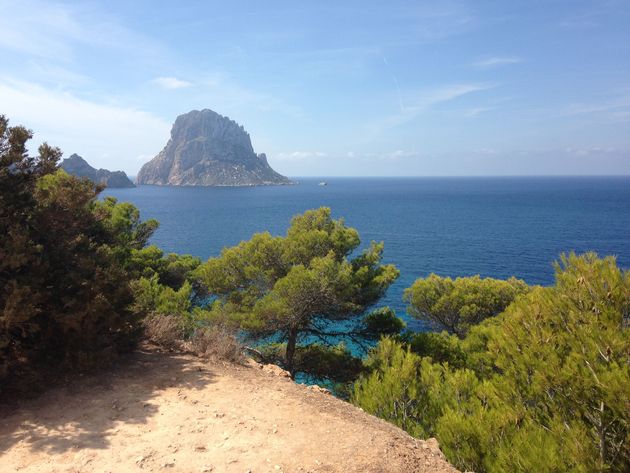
[[177, 413]]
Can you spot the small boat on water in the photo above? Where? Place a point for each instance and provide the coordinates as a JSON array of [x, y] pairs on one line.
[[323, 183]]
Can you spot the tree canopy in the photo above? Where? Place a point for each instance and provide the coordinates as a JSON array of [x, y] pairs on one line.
[[457, 304], [76, 276], [291, 285], [544, 386], [64, 293]]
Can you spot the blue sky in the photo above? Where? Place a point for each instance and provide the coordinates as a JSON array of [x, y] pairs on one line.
[[331, 88]]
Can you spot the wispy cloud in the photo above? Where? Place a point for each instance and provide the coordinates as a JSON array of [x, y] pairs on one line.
[[53, 74], [592, 15], [357, 157], [421, 22], [38, 29], [592, 151], [399, 154], [226, 93], [614, 108], [485, 152], [419, 102], [172, 83], [475, 111], [497, 61], [300, 155], [106, 135], [52, 30], [597, 108], [395, 79]]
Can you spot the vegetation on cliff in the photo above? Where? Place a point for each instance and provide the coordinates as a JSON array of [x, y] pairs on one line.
[[544, 386], [457, 304], [69, 266], [64, 294]]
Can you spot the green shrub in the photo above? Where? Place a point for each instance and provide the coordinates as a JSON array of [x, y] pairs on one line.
[[64, 291], [440, 347], [545, 385], [458, 304], [382, 321]]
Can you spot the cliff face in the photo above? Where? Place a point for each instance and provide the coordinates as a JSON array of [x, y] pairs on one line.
[[78, 166], [207, 149]]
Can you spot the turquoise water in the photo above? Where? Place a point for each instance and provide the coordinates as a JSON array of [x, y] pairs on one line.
[[495, 227]]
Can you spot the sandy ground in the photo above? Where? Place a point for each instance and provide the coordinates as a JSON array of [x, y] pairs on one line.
[[177, 413]]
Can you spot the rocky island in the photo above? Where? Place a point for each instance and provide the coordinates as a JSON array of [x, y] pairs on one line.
[[78, 166], [208, 149]]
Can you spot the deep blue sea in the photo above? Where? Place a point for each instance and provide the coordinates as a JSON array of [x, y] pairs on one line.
[[498, 227]]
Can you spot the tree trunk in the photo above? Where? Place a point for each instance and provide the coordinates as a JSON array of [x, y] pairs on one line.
[[288, 360], [601, 431]]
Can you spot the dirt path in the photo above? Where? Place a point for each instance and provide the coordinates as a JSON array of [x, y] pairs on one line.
[[175, 413]]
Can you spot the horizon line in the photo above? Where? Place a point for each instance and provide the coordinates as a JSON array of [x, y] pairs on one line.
[[442, 176]]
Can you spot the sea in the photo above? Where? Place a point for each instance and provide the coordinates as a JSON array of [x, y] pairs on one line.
[[492, 226]]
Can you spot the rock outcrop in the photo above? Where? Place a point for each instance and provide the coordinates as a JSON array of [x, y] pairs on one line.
[[78, 166], [208, 149]]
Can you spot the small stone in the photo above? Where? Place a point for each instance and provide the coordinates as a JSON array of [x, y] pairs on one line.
[[276, 371]]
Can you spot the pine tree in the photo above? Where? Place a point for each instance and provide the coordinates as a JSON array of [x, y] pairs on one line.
[[291, 286]]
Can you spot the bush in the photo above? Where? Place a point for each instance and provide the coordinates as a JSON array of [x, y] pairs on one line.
[[151, 297], [217, 343], [165, 331], [332, 363], [545, 385], [382, 321], [458, 304], [440, 347], [65, 293]]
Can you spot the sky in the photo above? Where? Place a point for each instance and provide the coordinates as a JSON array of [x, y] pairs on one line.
[[330, 88]]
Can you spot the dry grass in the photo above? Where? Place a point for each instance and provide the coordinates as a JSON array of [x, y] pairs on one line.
[[164, 330], [213, 342], [217, 343]]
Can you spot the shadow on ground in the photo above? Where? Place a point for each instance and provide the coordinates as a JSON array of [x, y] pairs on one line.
[[84, 413]]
